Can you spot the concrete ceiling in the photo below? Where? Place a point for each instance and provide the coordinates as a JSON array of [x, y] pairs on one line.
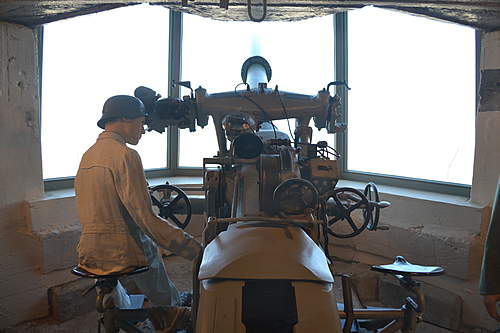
[[481, 14]]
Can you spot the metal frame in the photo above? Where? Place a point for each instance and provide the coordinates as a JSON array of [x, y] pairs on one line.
[[175, 71], [174, 75], [340, 21], [405, 318], [340, 61]]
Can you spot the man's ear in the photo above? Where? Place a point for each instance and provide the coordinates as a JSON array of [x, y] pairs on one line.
[[112, 123]]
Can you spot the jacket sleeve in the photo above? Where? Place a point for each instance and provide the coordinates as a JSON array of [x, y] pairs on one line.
[[490, 271], [132, 189]]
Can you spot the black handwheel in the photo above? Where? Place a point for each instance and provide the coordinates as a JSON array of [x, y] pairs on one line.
[[346, 200], [372, 213], [171, 201], [295, 195]]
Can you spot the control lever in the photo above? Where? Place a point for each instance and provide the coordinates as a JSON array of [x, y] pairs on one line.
[[371, 193]]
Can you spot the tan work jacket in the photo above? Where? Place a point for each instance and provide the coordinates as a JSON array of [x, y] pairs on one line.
[[112, 200]]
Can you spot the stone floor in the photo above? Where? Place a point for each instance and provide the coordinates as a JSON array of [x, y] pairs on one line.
[[180, 271]]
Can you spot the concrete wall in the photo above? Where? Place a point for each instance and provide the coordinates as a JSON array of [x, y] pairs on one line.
[[22, 290], [38, 233], [487, 157]]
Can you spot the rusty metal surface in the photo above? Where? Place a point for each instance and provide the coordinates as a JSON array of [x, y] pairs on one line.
[[482, 14]]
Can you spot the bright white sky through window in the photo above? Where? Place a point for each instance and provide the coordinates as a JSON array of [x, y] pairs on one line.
[[300, 54], [87, 60], [412, 103]]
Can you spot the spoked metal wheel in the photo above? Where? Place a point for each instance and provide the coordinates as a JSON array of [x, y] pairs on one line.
[[341, 203], [372, 214], [171, 202]]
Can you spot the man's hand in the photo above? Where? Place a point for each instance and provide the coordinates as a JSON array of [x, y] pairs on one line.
[[490, 301]]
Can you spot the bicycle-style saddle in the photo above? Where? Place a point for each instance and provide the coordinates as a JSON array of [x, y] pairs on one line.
[[402, 267], [79, 271]]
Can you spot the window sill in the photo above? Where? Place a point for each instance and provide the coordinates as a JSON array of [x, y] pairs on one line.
[[193, 185], [182, 181], [412, 193]]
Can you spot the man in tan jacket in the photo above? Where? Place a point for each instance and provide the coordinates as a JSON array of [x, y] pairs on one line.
[[120, 231]]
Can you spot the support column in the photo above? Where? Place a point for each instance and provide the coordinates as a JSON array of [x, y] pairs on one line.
[[487, 154]]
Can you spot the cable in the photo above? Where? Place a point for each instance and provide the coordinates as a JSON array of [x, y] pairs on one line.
[[335, 152], [239, 84], [285, 114], [322, 151], [261, 110]]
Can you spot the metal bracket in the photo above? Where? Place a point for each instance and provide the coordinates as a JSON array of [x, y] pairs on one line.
[[250, 14]]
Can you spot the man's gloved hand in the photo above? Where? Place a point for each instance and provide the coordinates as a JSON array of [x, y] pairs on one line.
[[195, 247], [490, 301], [169, 319], [189, 248]]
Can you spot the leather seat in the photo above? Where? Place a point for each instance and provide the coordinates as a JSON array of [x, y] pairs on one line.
[[79, 271], [402, 267]]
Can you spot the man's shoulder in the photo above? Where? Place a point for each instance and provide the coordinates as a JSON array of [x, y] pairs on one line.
[[130, 152], [105, 152], [115, 151]]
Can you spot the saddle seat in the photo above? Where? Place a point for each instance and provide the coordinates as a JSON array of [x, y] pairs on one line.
[[81, 272], [402, 267]]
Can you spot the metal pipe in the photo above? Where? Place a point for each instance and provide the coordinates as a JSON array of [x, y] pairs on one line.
[[394, 326], [236, 197], [348, 307], [383, 313], [221, 137], [263, 219]]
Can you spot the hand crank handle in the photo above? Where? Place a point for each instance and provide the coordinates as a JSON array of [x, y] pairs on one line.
[[383, 204], [378, 204]]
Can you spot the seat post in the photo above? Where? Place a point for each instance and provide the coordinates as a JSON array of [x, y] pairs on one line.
[[348, 305], [105, 286]]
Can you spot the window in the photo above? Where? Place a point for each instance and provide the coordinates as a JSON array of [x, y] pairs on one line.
[[300, 55], [411, 110], [88, 59]]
